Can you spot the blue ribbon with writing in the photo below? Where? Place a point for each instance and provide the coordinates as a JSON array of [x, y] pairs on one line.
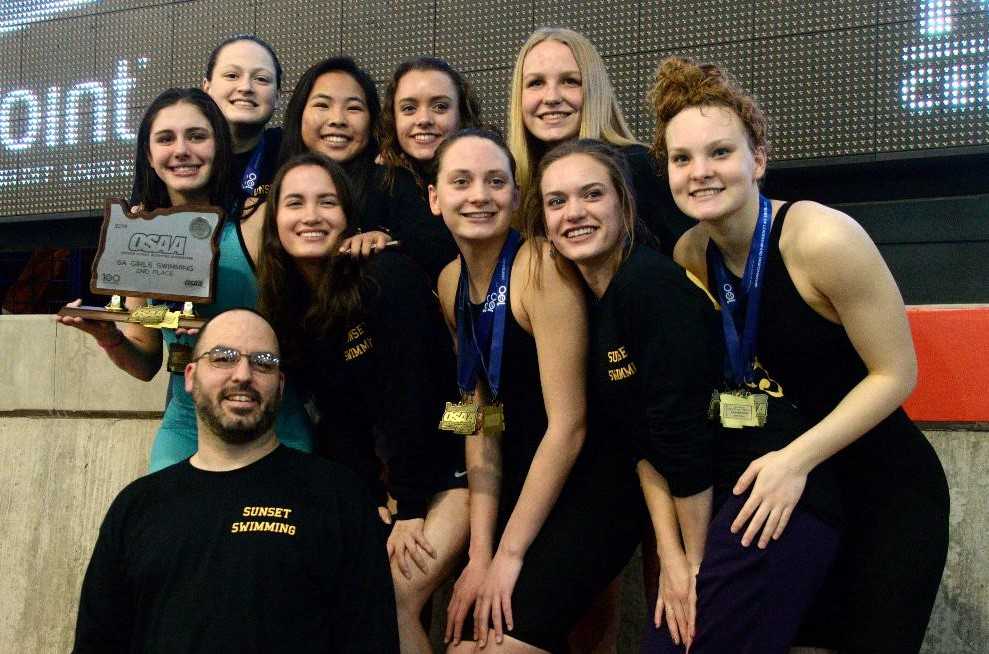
[[740, 351], [480, 343], [252, 173]]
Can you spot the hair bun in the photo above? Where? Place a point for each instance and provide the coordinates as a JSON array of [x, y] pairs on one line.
[[681, 83]]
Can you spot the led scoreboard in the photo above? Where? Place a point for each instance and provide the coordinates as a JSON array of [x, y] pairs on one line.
[[859, 79], [947, 67]]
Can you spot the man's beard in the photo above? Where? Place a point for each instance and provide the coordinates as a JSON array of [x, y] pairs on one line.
[[232, 428]]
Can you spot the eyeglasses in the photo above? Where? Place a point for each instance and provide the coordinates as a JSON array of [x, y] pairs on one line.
[[227, 357]]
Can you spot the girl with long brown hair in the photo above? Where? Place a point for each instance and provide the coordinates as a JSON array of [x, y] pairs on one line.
[[366, 339]]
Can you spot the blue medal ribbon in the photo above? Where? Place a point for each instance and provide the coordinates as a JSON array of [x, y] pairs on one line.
[[740, 351], [255, 166], [480, 343]]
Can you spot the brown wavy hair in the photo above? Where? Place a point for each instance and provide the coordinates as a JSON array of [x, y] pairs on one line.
[[681, 83], [300, 313], [533, 218], [468, 108]]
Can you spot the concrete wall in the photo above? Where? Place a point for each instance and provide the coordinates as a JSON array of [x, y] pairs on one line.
[[64, 458], [62, 461]]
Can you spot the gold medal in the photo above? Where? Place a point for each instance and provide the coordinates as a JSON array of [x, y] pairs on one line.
[[461, 418], [494, 419], [467, 419], [740, 408], [737, 410]]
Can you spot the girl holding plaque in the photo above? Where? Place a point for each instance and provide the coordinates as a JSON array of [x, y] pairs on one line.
[[183, 158], [655, 358], [367, 339], [334, 111], [829, 325], [425, 101], [559, 91], [541, 491]]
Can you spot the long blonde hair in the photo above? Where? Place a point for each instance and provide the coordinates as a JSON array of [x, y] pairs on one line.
[[600, 117]]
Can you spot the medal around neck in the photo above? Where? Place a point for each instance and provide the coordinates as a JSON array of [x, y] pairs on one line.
[[480, 342], [739, 407], [167, 254]]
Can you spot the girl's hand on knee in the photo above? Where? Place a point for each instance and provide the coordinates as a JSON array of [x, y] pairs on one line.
[[464, 595], [408, 540], [777, 485], [494, 602], [677, 600]]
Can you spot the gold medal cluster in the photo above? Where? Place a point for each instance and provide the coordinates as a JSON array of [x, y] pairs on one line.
[[740, 408], [466, 418]]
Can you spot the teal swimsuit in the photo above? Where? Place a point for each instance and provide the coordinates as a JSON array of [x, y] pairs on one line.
[[236, 286]]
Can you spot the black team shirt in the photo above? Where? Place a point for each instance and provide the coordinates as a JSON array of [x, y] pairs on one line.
[[381, 387], [284, 555], [655, 358]]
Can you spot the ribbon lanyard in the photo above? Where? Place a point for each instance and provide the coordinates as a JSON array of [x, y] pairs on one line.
[[487, 335], [253, 170], [740, 352]]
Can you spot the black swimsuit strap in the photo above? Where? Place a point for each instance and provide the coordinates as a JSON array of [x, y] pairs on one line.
[[777, 229]]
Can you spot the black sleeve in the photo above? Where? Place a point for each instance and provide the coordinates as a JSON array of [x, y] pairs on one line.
[[105, 620], [653, 200], [423, 236], [681, 365], [364, 596], [380, 202], [402, 195], [410, 350]]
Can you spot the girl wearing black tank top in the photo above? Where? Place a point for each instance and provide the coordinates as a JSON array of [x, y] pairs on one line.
[[833, 332], [534, 496]]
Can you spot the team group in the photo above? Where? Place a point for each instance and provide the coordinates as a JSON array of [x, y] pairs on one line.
[[517, 359]]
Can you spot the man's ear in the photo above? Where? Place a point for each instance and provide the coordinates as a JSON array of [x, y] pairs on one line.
[[189, 373]]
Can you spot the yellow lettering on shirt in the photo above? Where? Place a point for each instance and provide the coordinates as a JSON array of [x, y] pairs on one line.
[[279, 512], [355, 351], [614, 356], [265, 512], [618, 374], [356, 332], [271, 527], [622, 372]]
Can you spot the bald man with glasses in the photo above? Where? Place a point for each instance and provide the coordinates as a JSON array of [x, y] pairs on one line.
[[247, 546]]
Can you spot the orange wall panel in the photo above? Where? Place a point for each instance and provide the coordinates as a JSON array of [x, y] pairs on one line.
[[952, 345]]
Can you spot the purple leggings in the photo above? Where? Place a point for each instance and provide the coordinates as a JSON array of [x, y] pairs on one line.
[[751, 601]]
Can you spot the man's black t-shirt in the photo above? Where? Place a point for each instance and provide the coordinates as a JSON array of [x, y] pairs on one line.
[[284, 555]]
